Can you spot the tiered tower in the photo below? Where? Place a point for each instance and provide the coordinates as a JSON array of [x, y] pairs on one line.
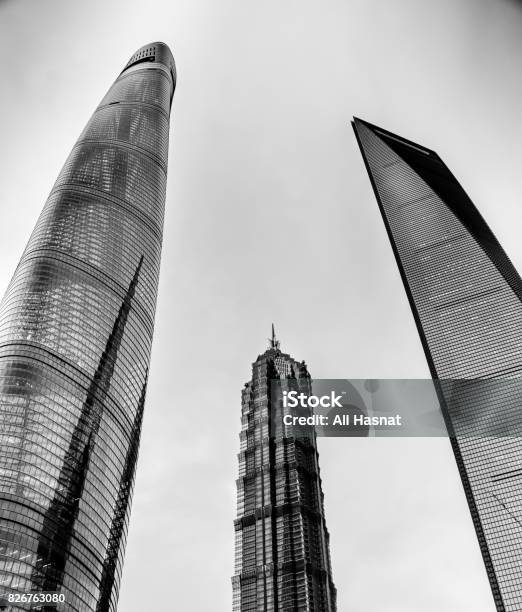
[[282, 544]]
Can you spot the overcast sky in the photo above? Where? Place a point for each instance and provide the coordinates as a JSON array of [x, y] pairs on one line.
[[271, 217]]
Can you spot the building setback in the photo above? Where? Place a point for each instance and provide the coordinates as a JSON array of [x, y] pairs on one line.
[[76, 328], [282, 544], [466, 299]]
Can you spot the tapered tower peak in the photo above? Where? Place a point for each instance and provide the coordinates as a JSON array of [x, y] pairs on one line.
[[273, 342]]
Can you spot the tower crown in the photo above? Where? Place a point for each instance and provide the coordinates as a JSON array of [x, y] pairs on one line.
[[157, 52]]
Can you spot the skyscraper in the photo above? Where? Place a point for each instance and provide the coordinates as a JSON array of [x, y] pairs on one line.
[[466, 299], [282, 544], [76, 328]]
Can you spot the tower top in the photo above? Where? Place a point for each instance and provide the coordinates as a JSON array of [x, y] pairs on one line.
[[273, 342], [156, 52]]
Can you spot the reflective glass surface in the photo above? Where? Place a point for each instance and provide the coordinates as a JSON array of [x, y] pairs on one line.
[[466, 297], [76, 327]]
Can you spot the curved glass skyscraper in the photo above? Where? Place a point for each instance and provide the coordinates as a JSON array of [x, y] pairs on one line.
[[76, 328]]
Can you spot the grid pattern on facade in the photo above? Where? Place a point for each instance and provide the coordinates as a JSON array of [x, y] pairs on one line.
[[76, 327], [282, 558], [466, 300]]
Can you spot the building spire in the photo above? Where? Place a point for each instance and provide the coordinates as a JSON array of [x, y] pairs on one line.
[[273, 341]]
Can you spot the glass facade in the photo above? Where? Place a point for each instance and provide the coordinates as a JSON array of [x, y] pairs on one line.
[[282, 545], [466, 298], [76, 327]]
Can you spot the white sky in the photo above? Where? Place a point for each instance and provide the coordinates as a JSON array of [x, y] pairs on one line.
[[270, 217]]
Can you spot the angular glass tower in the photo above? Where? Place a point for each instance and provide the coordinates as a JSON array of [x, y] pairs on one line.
[[466, 299], [76, 328], [282, 544]]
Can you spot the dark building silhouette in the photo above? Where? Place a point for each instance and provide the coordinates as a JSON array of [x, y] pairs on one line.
[[282, 544], [76, 328], [466, 299]]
